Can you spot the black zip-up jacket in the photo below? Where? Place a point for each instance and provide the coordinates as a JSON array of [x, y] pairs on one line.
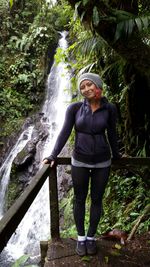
[[95, 132]]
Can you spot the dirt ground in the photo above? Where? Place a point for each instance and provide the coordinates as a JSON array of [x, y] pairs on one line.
[[139, 242]]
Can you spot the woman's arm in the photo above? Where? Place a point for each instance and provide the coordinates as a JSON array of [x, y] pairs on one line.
[[65, 131]]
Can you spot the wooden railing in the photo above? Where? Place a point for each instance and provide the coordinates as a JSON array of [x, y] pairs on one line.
[[14, 215]]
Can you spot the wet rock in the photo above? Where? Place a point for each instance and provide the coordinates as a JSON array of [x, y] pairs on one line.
[[24, 158], [27, 155], [7, 143]]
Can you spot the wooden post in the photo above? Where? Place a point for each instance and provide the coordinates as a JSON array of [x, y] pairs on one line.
[[43, 248], [54, 209]]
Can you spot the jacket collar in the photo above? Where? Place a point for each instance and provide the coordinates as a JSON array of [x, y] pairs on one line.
[[103, 101]]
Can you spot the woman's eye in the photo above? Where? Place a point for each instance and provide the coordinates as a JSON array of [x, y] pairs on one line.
[[89, 84]]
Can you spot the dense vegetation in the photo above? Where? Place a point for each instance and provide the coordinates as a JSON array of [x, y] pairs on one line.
[[126, 199], [29, 36], [108, 37]]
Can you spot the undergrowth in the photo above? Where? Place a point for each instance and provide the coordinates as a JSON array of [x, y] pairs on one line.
[[124, 200]]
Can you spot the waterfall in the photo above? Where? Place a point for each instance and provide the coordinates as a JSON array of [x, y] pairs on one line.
[[35, 225], [6, 167]]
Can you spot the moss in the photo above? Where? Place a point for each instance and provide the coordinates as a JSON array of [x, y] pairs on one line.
[[13, 192], [14, 188]]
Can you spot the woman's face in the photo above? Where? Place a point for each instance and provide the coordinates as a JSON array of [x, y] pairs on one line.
[[89, 90]]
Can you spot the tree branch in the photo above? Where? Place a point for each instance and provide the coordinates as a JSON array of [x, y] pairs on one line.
[[138, 221]]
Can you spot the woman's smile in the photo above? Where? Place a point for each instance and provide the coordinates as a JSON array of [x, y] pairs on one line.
[[88, 88]]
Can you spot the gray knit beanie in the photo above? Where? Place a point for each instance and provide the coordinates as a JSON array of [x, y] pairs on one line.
[[95, 78]]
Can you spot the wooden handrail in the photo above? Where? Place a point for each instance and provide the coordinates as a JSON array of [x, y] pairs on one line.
[[14, 215], [16, 212], [119, 163]]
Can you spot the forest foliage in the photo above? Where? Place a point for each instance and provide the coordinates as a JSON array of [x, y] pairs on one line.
[[30, 32]]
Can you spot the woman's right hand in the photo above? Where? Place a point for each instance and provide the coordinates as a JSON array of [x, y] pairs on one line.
[[49, 160]]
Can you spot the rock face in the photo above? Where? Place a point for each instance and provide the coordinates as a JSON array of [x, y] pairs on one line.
[[25, 157], [26, 163], [29, 153]]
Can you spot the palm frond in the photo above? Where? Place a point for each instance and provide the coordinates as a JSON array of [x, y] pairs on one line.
[[88, 67], [126, 27], [88, 46]]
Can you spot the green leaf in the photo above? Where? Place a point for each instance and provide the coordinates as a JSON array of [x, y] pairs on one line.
[[139, 24], [84, 2], [86, 258], [121, 15], [117, 246], [106, 259], [21, 261], [130, 26], [95, 16], [11, 3], [82, 15], [119, 30], [142, 22], [134, 214], [115, 252], [108, 190], [76, 10], [145, 22]]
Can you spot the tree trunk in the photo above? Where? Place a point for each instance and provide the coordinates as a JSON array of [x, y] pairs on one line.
[[138, 114]]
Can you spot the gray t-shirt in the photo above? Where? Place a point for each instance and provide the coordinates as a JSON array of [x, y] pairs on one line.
[[103, 164]]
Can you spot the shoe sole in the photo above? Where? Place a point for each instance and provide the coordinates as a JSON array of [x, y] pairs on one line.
[[80, 254]]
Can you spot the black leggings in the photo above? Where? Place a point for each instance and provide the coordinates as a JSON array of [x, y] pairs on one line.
[[81, 177]]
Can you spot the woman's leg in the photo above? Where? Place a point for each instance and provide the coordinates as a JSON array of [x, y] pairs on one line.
[[80, 178], [99, 179]]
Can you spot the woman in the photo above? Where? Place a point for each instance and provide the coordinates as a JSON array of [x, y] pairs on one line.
[[94, 121]]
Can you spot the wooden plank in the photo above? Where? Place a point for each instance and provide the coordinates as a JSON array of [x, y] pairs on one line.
[[119, 163], [125, 162], [63, 248], [62, 254], [14, 215]]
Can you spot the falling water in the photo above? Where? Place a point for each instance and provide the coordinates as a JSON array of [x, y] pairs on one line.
[[35, 224], [6, 167]]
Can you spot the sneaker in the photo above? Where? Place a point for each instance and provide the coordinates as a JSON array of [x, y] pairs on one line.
[[81, 248], [91, 247]]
